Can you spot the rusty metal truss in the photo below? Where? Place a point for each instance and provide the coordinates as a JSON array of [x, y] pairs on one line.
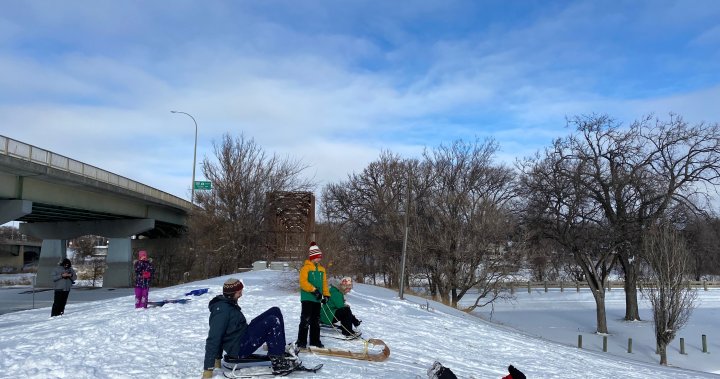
[[289, 224]]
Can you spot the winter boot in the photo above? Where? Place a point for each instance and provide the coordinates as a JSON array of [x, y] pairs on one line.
[[291, 351], [283, 365], [438, 371], [351, 333]]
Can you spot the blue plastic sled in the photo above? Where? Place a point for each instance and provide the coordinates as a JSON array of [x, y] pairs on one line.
[[167, 301], [197, 292]]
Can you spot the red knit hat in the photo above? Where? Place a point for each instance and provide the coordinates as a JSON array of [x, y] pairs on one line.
[[231, 286], [314, 251]]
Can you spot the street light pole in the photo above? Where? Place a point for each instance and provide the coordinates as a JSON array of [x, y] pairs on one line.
[[192, 187], [405, 240]]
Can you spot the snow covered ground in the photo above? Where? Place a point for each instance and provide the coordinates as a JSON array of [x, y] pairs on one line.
[[110, 339], [562, 316]]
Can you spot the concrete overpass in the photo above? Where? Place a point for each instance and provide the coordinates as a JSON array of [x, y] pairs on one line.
[[57, 198]]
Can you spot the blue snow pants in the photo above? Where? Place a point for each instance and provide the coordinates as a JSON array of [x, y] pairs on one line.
[[269, 328]]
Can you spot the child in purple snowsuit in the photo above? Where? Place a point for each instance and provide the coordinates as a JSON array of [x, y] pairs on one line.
[[144, 271]]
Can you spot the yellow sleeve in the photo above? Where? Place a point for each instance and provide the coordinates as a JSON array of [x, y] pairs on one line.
[[325, 289], [304, 284]]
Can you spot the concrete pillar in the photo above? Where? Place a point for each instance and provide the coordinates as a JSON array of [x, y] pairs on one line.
[[118, 272], [119, 259], [51, 253], [11, 210]]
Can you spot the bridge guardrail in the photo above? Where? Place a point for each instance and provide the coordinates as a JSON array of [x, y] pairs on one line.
[[21, 150]]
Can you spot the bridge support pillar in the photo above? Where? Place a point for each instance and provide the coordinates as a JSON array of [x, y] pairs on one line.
[[53, 251], [119, 258], [14, 209], [118, 272]]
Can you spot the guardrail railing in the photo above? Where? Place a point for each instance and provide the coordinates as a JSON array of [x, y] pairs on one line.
[[609, 285], [21, 150]]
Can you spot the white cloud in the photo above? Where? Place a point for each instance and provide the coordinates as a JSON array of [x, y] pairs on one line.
[[97, 83]]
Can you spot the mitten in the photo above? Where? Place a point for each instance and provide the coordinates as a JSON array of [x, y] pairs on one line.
[[317, 294], [207, 374], [515, 373], [146, 274]]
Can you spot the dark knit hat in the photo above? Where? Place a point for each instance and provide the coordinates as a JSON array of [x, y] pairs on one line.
[[231, 286], [314, 251]]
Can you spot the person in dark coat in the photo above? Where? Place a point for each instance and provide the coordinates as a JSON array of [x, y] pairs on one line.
[[337, 310], [63, 277], [514, 373], [230, 332]]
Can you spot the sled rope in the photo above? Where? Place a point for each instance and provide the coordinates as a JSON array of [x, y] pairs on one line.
[[324, 310]]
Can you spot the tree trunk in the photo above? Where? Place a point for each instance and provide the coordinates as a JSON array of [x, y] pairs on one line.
[[596, 283], [631, 276], [599, 295], [662, 349]]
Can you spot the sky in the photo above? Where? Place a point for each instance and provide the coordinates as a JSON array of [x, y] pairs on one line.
[[111, 339], [333, 84]]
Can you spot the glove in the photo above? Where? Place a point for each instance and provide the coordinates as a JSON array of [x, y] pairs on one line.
[[207, 374], [515, 373], [146, 274], [317, 294], [324, 300]]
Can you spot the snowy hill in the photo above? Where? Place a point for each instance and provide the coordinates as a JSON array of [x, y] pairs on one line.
[[110, 339]]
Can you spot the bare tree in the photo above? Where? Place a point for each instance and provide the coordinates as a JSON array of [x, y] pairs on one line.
[[635, 174], [367, 208], [557, 208], [461, 230], [671, 298], [97, 269], [703, 237], [241, 177], [84, 248], [463, 221]]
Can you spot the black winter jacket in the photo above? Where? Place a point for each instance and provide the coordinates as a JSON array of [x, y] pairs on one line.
[[227, 325]]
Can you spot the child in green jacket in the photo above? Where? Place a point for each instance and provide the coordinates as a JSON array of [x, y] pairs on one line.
[[337, 310]]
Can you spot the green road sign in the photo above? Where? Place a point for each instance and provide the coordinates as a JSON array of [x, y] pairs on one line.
[[201, 185]]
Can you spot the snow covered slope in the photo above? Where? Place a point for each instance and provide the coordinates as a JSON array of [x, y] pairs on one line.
[[110, 339]]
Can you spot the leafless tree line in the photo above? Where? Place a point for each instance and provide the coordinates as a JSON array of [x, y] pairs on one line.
[[581, 209], [462, 230]]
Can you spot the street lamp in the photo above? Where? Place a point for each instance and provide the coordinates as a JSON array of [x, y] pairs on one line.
[[405, 240], [192, 187]]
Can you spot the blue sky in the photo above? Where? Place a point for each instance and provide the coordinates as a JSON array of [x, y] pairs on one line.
[[333, 83]]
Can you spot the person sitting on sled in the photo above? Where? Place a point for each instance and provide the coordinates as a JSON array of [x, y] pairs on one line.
[[336, 310], [230, 332]]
